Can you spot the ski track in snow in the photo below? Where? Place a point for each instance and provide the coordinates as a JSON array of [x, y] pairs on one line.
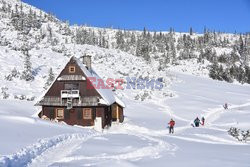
[[211, 116], [214, 114], [167, 109], [48, 151], [56, 149], [148, 151], [57, 153], [134, 129], [65, 149], [28, 154]]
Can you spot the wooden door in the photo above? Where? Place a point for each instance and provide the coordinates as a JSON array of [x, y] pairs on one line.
[[115, 112], [73, 117], [88, 117]]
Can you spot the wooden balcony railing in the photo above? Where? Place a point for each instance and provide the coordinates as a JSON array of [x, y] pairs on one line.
[[70, 94], [57, 101]]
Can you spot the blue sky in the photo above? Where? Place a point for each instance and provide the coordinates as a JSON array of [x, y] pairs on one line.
[[155, 15]]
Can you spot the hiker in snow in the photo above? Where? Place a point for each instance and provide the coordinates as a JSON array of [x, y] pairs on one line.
[[225, 106], [197, 122], [202, 121], [171, 126]]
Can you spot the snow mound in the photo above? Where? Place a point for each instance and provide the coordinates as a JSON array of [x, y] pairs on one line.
[[25, 156]]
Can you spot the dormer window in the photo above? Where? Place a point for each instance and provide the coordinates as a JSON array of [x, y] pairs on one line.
[[72, 69]]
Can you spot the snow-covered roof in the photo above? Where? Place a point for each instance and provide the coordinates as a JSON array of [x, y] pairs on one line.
[[107, 95], [118, 101]]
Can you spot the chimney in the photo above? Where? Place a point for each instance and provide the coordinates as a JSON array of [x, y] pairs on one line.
[[87, 61]]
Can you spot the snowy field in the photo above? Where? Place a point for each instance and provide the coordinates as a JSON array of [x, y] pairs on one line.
[[143, 139]]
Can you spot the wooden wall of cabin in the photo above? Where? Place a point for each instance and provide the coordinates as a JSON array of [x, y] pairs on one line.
[[75, 116], [56, 88], [121, 116], [117, 113]]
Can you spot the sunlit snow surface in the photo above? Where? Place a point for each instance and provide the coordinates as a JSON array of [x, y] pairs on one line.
[[143, 139]]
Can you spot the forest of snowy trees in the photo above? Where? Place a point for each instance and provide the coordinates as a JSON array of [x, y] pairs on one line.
[[168, 48], [171, 48]]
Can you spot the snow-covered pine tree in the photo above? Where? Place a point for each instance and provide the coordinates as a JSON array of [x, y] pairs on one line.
[[191, 31], [50, 78], [240, 74], [214, 71], [226, 75], [49, 29], [142, 49], [119, 36], [247, 72], [27, 73], [133, 39]]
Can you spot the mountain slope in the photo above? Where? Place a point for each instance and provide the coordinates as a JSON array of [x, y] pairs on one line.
[[109, 63], [29, 34], [143, 139]]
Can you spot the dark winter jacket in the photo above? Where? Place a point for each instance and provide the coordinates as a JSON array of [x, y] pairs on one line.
[[197, 120]]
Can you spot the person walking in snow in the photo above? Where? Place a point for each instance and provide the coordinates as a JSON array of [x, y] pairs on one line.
[[225, 106], [171, 126], [197, 122], [202, 121]]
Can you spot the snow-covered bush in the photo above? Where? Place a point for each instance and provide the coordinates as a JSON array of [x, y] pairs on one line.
[[239, 134], [4, 93], [14, 74], [20, 97], [143, 95]]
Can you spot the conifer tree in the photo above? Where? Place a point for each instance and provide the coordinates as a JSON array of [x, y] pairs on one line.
[[50, 78], [27, 73], [191, 31]]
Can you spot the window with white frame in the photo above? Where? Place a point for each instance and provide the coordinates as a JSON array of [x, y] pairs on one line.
[[59, 113], [87, 114], [72, 69]]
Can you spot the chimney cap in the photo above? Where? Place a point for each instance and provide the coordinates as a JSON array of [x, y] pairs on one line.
[[89, 52]]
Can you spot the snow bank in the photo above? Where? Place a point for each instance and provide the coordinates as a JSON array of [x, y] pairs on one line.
[[25, 156]]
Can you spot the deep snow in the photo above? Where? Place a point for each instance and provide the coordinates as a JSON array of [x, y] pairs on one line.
[[143, 139]]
